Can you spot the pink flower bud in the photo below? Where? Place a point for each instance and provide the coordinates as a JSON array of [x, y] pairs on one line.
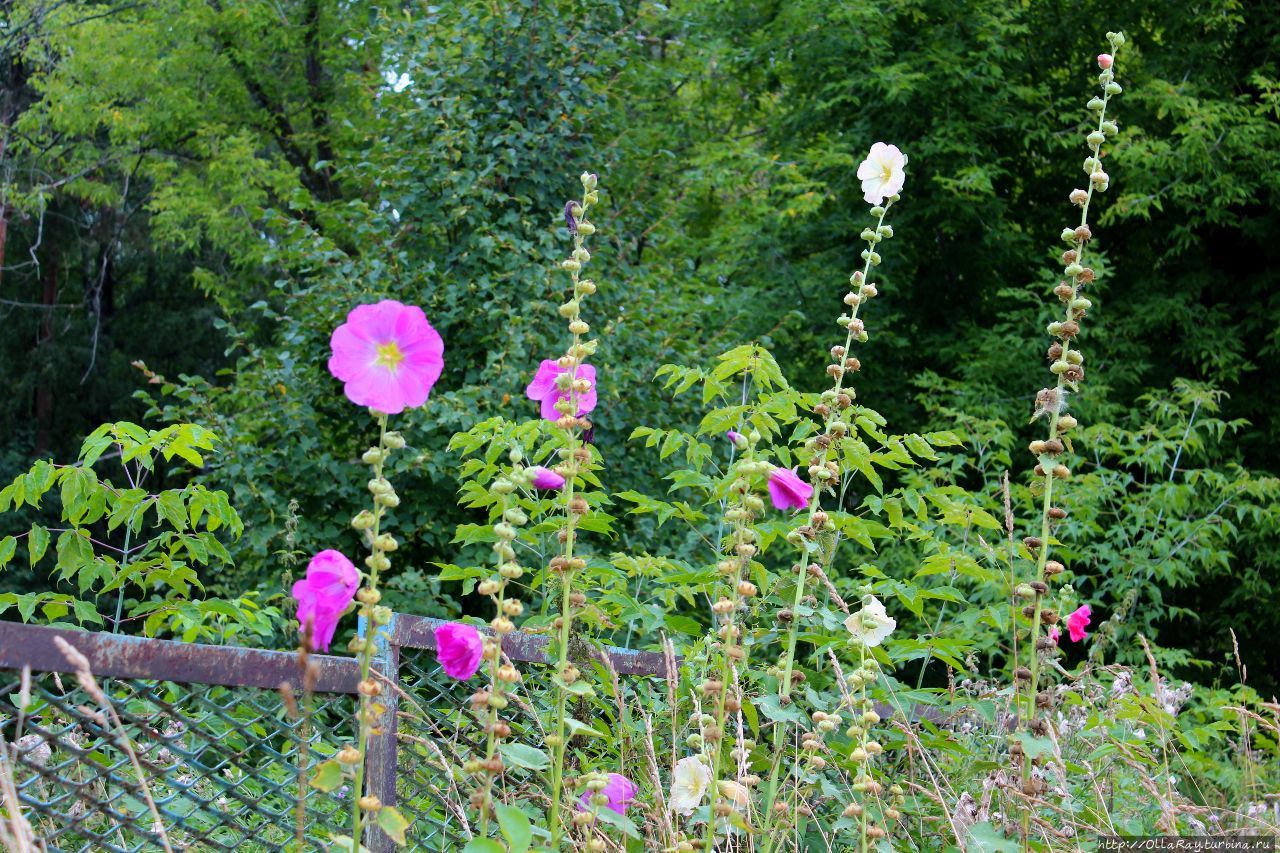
[[1105, 60], [787, 490], [546, 479]]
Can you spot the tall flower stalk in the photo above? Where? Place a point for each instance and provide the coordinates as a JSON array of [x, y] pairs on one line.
[[493, 700], [1067, 364], [882, 175], [721, 689], [566, 390]]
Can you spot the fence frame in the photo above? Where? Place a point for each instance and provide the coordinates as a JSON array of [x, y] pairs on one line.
[[32, 647]]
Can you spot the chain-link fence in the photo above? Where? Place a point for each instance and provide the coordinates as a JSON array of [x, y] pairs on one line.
[[225, 752]]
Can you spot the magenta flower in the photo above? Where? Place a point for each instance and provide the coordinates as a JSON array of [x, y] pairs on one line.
[[1078, 621], [546, 479], [544, 388], [387, 355], [787, 490], [1054, 634], [620, 790], [735, 438], [323, 595], [459, 649]]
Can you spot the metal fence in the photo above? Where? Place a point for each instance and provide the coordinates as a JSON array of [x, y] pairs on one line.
[[224, 755]]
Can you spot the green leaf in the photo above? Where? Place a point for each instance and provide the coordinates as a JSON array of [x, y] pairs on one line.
[[483, 845], [772, 707], [523, 755], [618, 821], [37, 543], [515, 827], [8, 547], [986, 838], [393, 824], [327, 776]]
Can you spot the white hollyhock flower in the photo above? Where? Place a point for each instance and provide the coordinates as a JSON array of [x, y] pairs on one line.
[[689, 785], [882, 173], [872, 624]]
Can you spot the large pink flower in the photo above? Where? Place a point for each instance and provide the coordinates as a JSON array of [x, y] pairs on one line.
[[459, 649], [620, 790], [544, 388], [787, 490], [387, 355], [323, 595], [1078, 621]]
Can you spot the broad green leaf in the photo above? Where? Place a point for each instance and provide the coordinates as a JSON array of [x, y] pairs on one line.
[[515, 827], [37, 543], [523, 755], [393, 824], [326, 776]]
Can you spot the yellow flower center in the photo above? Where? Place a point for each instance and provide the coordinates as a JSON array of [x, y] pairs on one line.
[[389, 356], [886, 172]]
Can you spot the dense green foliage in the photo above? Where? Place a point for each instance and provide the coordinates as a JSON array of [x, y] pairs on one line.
[[207, 188]]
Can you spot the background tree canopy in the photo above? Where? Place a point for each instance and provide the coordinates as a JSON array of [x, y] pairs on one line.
[[194, 194]]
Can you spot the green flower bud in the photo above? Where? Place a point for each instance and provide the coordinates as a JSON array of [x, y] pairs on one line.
[[870, 236], [503, 486], [1024, 591], [570, 265], [877, 211], [1059, 367], [1073, 270], [1096, 138], [1068, 235], [569, 309], [591, 197], [1113, 89], [386, 542], [373, 456], [1095, 104], [885, 231], [1074, 356], [1110, 128], [589, 181], [393, 441], [586, 229], [363, 520]]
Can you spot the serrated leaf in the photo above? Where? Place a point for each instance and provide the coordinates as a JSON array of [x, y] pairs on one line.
[[37, 543]]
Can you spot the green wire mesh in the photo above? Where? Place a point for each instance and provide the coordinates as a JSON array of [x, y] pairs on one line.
[[221, 765]]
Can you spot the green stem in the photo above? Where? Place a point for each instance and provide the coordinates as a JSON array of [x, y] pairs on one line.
[[367, 645], [1047, 504], [793, 631]]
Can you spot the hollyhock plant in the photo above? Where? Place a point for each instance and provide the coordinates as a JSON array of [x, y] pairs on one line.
[[323, 595], [387, 355], [545, 388], [787, 490], [620, 792], [546, 479], [882, 173], [1078, 621], [459, 649]]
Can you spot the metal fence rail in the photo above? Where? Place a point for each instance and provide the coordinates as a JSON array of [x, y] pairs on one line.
[[221, 751]]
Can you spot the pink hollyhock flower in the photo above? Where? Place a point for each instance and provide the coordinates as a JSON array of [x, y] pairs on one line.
[[1054, 634], [459, 649], [1078, 621], [620, 790], [544, 388], [787, 490], [387, 355], [1105, 60], [545, 478], [737, 439], [323, 595]]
